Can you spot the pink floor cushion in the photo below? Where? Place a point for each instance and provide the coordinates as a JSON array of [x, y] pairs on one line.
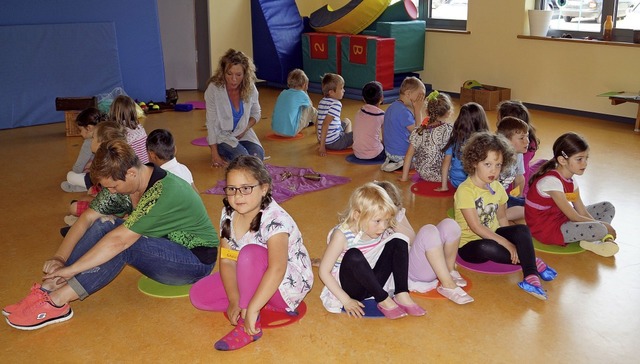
[[571, 248], [292, 181], [488, 267], [197, 104], [201, 142], [280, 138], [426, 188]]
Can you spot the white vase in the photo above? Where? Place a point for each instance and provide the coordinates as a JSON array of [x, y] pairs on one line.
[[539, 21]]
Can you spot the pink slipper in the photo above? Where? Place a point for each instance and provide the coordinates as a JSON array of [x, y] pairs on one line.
[[393, 313], [238, 338], [412, 310]]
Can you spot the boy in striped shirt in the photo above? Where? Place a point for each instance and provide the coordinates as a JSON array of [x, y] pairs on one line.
[[333, 133]]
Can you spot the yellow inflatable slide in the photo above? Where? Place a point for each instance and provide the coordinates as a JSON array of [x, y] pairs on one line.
[[352, 18]]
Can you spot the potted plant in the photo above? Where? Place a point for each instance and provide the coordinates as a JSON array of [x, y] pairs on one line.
[[540, 18]]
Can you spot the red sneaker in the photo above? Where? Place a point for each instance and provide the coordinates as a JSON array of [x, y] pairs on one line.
[[31, 298], [39, 314]]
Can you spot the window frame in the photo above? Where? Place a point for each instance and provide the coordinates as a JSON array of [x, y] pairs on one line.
[[609, 7], [424, 11]]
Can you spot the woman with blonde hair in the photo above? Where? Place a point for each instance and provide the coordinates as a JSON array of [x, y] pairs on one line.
[[233, 109]]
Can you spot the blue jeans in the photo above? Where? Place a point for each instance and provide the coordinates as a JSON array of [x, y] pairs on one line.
[[229, 153], [158, 258]]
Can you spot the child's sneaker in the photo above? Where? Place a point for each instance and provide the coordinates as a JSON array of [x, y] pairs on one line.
[[31, 298], [68, 187], [603, 248], [535, 291], [457, 278], [39, 314], [390, 166]]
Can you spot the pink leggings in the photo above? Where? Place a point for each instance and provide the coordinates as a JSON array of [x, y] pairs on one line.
[[209, 294], [430, 237]]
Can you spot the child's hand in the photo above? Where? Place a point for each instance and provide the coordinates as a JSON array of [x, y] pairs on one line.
[[250, 323], [513, 252], [322, 151], [418, 102], [403, 179], [233, 311], [354, 308], [441, 189]]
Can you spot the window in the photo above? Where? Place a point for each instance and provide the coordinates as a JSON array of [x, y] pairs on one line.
[[444, 14], [585, 18]]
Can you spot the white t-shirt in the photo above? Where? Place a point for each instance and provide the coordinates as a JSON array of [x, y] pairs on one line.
[[179, 170], [552, 183]]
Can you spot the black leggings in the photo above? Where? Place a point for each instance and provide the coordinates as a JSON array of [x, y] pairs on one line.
[[483, 250], [360, 281]]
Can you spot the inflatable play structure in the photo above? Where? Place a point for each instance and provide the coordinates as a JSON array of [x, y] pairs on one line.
[[277, 29], [351, 18], [364, 40]]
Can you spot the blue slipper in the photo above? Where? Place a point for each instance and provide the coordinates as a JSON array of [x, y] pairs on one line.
[[548, 274], [537, 292]]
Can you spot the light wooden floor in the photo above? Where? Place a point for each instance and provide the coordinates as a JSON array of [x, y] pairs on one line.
[[592, 315]]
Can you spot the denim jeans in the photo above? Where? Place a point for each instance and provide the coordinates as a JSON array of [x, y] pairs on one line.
[[243, 148], [158, 258]]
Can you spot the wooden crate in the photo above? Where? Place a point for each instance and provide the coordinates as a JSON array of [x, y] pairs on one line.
[[71, 126], [488, 97]]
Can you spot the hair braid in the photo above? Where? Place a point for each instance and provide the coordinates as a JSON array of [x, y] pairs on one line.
[[225, 229], [255, 223]]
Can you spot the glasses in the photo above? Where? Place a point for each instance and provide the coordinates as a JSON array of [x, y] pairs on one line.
[[244, 190]]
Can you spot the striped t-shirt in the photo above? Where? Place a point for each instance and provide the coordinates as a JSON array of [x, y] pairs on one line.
[[333, 107], [137, 139]]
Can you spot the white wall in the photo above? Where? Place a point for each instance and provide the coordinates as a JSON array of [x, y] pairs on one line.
[[552, 73]]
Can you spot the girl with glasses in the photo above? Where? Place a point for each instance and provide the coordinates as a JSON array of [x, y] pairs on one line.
[[264, 264]]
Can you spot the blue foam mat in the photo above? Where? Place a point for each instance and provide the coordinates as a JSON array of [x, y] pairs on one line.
[[351, 158], [370, 309]]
